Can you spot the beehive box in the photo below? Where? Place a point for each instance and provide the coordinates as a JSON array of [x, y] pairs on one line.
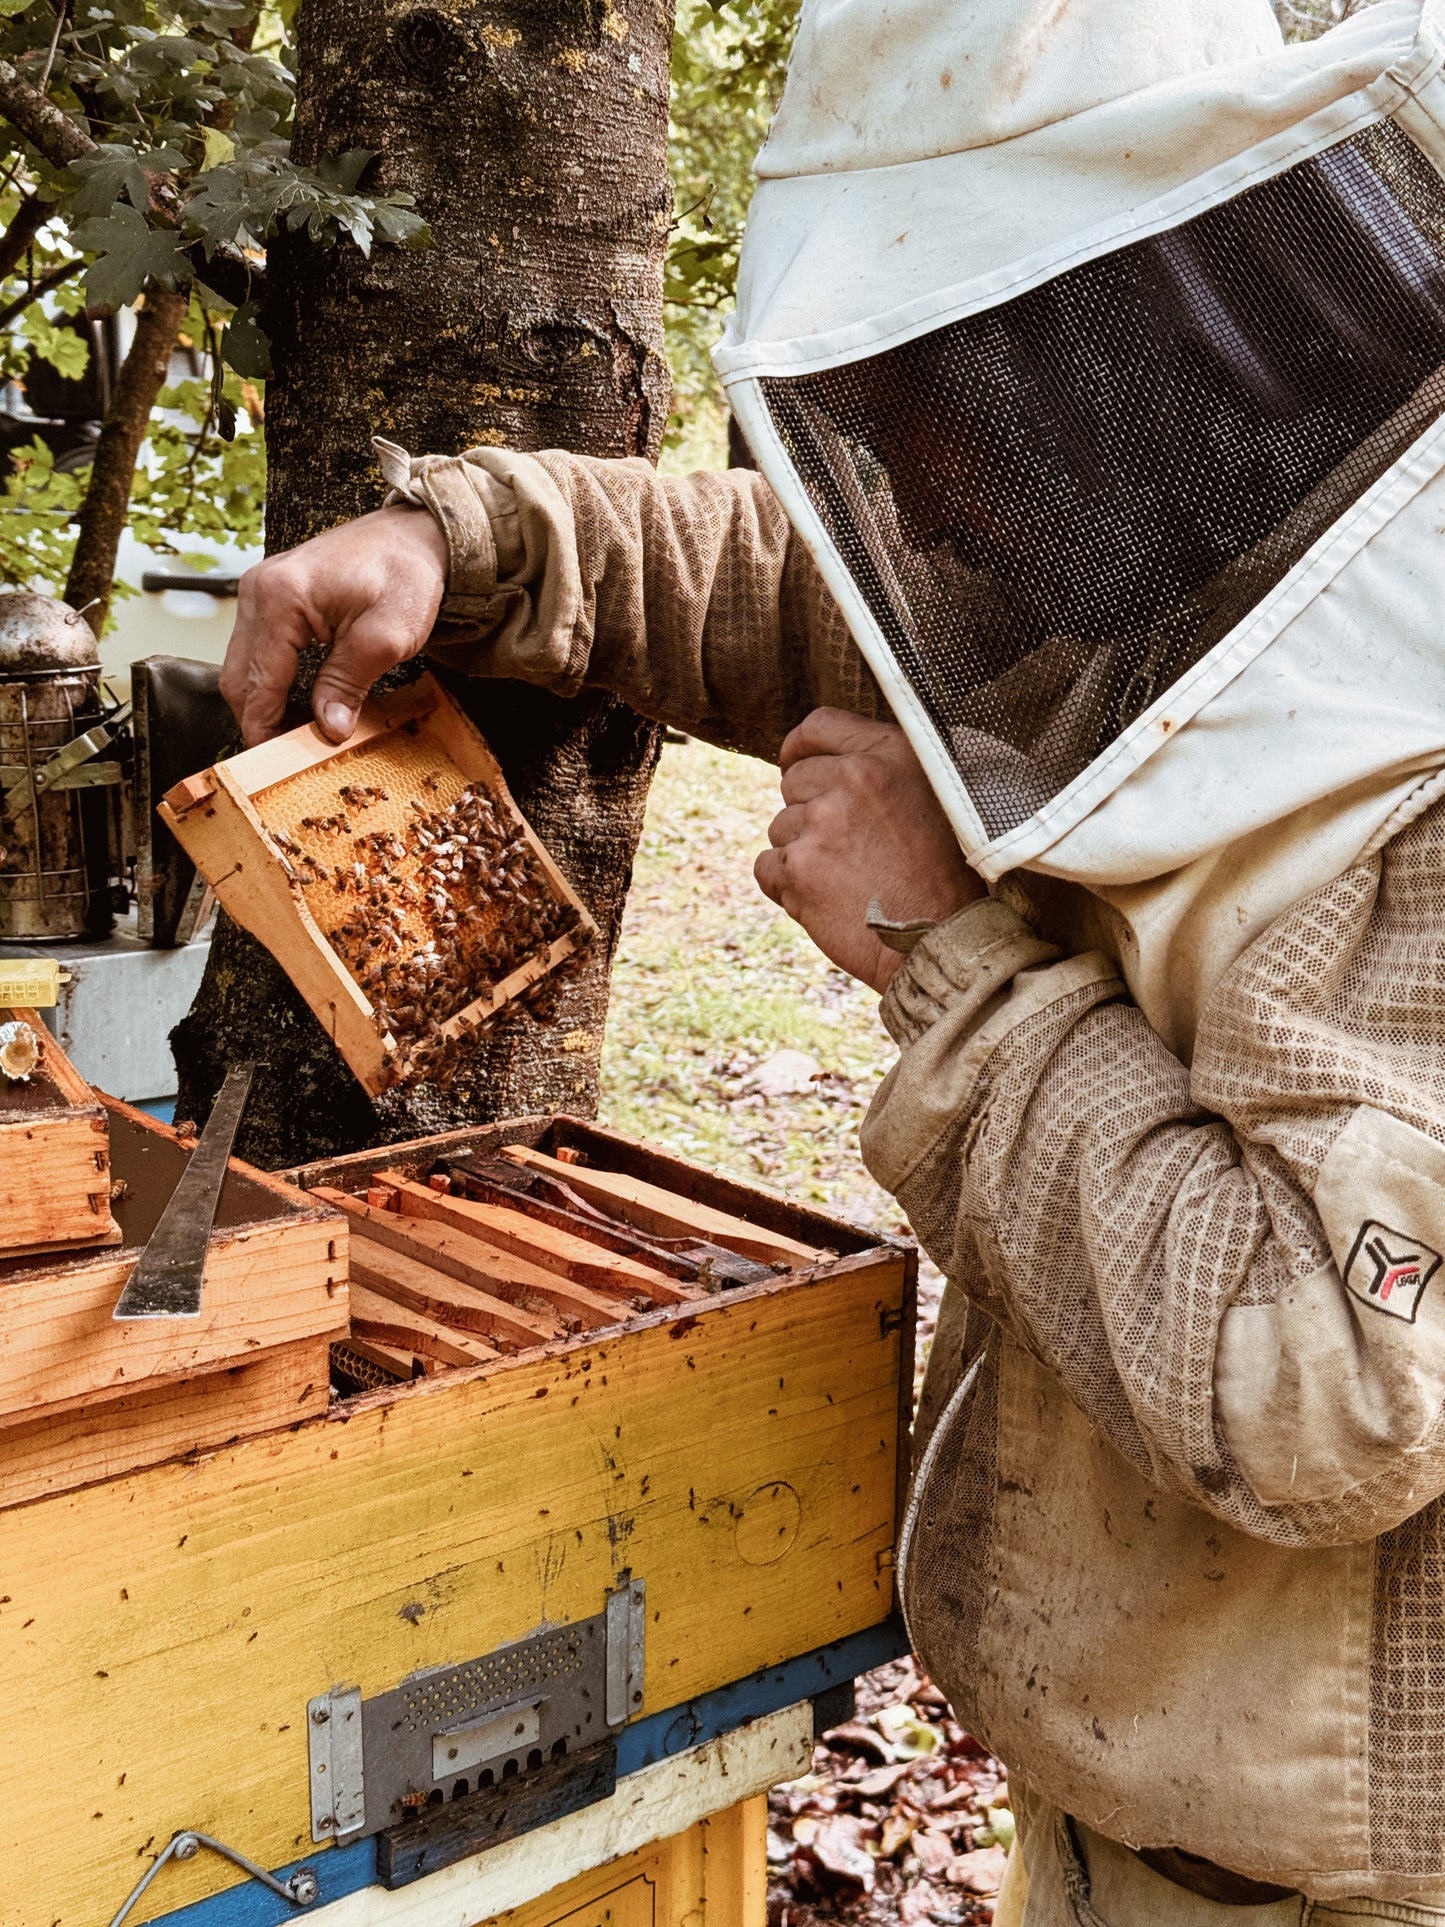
[[732, 1458], [393, 878], [715, 1874], [54, 1154], [85, 1396]]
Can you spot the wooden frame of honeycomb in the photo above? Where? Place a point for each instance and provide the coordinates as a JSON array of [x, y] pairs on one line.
[[391, 876]]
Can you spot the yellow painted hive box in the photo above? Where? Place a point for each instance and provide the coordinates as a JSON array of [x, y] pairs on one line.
[[607, 1434]]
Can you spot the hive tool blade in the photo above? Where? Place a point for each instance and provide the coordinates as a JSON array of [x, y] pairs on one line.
[[166, 1282]]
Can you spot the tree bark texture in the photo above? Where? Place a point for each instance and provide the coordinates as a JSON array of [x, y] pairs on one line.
[[533, 134], [107, 500], [31, 113]]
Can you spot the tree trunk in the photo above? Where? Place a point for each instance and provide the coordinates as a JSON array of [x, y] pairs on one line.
[[533, 134], [106, 507]]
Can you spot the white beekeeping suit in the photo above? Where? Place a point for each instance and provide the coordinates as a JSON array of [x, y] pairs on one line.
[[1097, 352]]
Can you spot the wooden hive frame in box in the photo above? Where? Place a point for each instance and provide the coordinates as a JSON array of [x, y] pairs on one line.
[[86, 1396], [54, 1155], [454, 1264], [339, 860]]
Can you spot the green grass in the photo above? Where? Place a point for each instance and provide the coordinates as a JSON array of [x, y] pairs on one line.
[[712, 979]]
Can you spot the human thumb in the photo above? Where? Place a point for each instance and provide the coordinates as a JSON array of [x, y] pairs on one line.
[[353, 664]]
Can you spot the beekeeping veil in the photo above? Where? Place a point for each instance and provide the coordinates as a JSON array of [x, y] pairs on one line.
[[1097, 350]]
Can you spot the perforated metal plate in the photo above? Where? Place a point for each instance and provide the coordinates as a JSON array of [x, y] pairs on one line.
[[558, 1678], [455, 1732]]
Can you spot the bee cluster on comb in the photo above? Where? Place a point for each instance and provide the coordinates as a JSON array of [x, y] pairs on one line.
[[428, 915]]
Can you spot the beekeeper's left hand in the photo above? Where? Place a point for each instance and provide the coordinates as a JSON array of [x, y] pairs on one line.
[[860, 825]]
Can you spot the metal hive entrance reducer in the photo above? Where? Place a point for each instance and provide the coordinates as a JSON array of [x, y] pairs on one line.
[[450, 1739]]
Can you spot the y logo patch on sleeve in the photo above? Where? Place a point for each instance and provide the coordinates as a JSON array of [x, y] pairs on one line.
[[1389, 1271]]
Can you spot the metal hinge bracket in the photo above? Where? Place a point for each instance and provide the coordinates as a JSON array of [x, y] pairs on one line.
[[626, 1649], [338, 1787]]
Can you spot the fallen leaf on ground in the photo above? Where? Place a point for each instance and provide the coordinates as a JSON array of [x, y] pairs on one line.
[[838, 1846], [920, 1903], [861, 1739], [898, 1830], [980, 1872], [965, 1794], [953, 1795], [1000, 1829], [906, 1733], [934, 1850], [882, 1779]]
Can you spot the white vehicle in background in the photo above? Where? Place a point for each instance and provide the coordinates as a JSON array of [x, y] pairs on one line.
[[180, 611]]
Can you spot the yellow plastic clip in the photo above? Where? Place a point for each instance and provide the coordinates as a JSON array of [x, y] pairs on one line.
[[31, 983]]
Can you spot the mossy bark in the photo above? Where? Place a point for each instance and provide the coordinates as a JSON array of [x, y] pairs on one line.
[[533, 135]]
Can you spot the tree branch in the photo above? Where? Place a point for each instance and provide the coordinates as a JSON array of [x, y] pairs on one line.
[[107, 500], [37, 117], [42, 286], [58, 138], [25, 224]]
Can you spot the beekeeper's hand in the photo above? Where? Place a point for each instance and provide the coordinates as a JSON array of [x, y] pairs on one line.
[[861, 825], [370, 588]]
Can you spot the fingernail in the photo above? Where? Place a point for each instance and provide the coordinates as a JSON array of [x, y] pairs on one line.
[[339, 720]]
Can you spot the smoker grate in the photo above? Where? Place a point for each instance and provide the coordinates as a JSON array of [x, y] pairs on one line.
[[1057, 507]]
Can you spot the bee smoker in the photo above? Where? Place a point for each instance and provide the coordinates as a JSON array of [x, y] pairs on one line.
[[57, 802]]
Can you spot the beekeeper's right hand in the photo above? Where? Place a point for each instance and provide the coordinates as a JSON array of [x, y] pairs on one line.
[[370, 589]]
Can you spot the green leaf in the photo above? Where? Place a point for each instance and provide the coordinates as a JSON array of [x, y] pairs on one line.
[[101, 178], [115, 171], [400, 226], [219, 147], [64, 348], [245, 344], [131, 253], [345, 170], [8, 8]]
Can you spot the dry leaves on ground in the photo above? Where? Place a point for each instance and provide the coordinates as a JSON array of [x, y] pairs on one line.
[[904, 1818], [733, 1040]]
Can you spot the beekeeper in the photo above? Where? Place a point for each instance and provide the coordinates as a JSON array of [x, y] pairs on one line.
[[1092, 595]]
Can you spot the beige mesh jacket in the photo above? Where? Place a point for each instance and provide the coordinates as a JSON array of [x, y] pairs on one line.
[[1177, 1546]]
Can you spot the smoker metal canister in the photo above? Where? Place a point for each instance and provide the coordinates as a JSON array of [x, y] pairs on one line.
[[54, 850]]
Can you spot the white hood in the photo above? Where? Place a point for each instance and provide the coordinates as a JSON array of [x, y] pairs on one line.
[[931, 163], [928, 157]]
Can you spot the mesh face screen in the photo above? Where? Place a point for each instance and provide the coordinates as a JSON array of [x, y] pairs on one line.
[[1055, 508]]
